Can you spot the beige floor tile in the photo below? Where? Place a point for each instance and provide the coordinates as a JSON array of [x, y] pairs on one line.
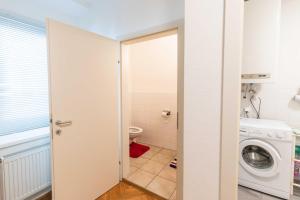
[[154, 148], [141, 178], [149, 154], [168, 152], [164, 159], [168, 173], [132, 169], [138, 162], [152, 167], [173, 197], [162, 187]]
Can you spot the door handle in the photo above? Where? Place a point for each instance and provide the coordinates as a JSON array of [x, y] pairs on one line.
[[63, 124]]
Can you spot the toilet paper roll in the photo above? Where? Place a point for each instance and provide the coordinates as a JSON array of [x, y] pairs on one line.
[[297, 98]]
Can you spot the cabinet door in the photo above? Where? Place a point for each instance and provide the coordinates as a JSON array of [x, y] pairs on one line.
[[261, 37]]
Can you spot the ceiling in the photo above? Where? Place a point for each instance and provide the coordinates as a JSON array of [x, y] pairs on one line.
[[107, 17]]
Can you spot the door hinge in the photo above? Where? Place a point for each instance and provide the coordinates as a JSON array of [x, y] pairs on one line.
[[119, 162], [51, 134], [119, 62]]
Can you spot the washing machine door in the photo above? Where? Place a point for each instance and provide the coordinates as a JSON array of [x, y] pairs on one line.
[[259, 158]]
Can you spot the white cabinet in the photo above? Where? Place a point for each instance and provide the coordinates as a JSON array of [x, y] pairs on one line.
[[261, 40]]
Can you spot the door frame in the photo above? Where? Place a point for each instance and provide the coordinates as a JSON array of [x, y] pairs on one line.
[[156, 32]]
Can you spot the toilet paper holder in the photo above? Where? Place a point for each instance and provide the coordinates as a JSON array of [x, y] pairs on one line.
[[166, 113], [297, 98]]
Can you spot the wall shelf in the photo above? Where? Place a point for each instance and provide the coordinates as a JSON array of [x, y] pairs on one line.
[[296, 185], [296, 132]]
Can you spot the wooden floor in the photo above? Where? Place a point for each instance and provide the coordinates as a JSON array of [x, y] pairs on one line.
[[123, 191], [126, 191], [46, 197]]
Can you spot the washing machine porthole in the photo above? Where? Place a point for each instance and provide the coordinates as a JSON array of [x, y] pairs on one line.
[[257, 157]]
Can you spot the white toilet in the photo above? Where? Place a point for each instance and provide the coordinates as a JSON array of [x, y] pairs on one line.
[[134, 132]]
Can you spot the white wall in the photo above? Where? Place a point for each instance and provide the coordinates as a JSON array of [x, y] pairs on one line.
[[213, 55], [277, 97], [202, 98], [153, 88]]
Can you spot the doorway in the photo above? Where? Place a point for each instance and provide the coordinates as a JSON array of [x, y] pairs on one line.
[[81, 129], [149, 68]]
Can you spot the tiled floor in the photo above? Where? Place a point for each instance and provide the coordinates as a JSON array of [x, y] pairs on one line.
[[248, 194], [152, 172]]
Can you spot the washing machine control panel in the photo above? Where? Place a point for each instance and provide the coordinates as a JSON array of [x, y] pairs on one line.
[[266, 133], [263, 128]]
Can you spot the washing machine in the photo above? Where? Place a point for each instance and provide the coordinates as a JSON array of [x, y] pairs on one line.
[[266, 156]]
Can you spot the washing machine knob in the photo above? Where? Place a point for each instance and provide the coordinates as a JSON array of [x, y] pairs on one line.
[[243, 132], [280, 135], [270, 134]]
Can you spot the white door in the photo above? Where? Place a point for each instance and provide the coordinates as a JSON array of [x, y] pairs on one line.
[[83, 90]]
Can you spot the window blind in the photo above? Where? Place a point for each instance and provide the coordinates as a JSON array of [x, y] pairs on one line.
[[23, 77]]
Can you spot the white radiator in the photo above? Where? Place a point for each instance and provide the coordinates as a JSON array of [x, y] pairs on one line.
[[25, 174]]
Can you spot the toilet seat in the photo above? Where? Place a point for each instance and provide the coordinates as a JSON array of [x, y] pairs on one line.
[[135, 130]]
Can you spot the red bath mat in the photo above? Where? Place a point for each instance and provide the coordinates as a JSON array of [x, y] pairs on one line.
[[136, 150]]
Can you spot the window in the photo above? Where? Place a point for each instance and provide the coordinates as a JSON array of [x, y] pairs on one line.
[[23, 77]]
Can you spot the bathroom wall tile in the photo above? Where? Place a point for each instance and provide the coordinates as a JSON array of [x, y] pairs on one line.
[[277, 96], [146, 113], [294, 118], [277, 104], [154, 89]]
